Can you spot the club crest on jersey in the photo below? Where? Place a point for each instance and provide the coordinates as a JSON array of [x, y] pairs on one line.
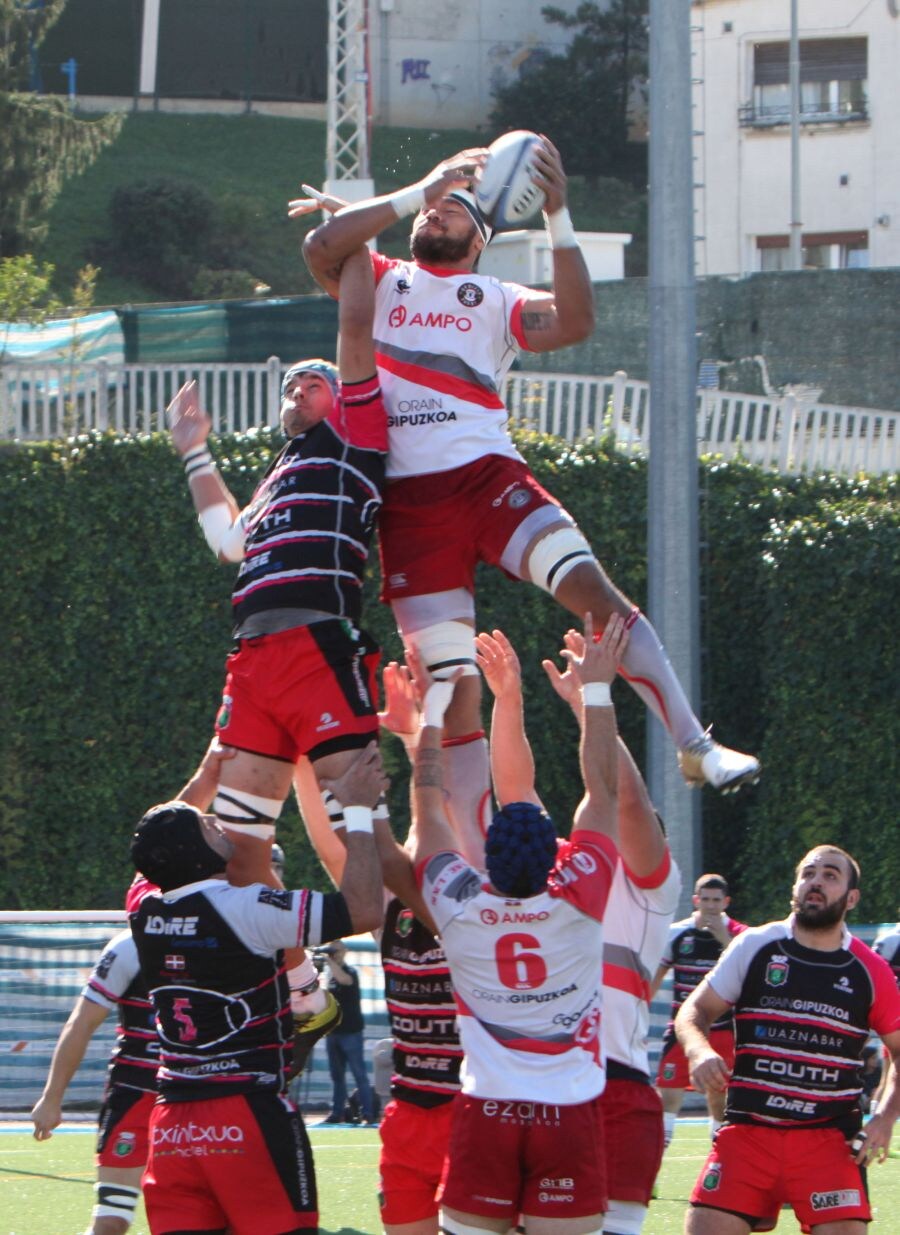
[[470, 295], [687, 946], [712, 1178], [404, 923], [777, 971], [403, 286], [174, 962], [669, 1072], [518, 497], [224, 712], [125, 1144]]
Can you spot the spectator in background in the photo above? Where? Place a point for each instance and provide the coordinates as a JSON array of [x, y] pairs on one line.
[[345, 1044]]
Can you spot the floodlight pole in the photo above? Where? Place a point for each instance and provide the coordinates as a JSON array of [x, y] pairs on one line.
[[672, 547]]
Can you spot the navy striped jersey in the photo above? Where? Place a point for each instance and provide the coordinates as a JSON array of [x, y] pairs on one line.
[[422, 1011], [802, 1017], [691, 953], [212, 958], [116, 983], [310, 522]]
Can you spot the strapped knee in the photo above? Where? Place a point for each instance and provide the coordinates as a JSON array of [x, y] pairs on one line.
[[116, 1201], [446, 647], [552, 558], [247, 813]]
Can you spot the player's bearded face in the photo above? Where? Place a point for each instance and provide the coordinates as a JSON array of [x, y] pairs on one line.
[[813, 910], [433, 244]]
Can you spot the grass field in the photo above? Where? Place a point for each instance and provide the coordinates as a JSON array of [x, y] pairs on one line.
[[46, 1189]]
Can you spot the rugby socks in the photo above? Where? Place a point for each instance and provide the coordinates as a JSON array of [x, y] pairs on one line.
[[646, 668], [467, 781], [714, 1126], [669, 1118]]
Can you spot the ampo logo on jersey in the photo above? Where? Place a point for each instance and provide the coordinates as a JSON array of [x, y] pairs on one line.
[[430, 321]]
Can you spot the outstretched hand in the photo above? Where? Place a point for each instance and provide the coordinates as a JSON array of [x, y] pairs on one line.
[[189, 424], [496, 658], [401, 707], [566, 684], [362, 783], [597, 660], [326, 202], [457, 172]]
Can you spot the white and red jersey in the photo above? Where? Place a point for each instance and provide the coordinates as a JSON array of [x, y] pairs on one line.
[[802, 1017], [444, 342], [526, 973], [635, 932]]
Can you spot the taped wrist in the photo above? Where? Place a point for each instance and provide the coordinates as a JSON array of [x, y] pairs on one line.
[[408, 201], [596, 695], [437, 700], [197, 460], [560, 231], [358, 819]]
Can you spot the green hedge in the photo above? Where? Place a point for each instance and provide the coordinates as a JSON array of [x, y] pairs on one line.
[[116, 621]]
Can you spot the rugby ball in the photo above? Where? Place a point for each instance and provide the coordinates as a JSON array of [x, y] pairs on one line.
[[505, 192]]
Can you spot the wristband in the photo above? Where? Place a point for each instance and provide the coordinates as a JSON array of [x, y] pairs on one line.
[[596, 695], [437, 700], [560, 231], [408, 201], [198, 460], [358, 819]]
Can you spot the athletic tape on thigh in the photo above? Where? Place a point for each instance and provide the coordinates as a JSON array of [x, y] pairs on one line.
[[445, 647], [552, 558], [247, 813], [624, 1218], [414, 613], [116, 1201]]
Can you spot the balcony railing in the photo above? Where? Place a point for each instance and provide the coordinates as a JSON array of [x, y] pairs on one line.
[[757, 116]]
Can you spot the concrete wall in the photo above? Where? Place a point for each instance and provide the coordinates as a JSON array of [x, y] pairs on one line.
[[837, 331], [436, 65], [745, 176]]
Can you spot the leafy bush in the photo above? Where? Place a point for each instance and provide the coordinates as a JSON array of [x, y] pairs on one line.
[[160, 232], [116, 623]]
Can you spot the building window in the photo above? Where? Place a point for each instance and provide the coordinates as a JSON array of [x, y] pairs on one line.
[[833, 75], [821, 251]]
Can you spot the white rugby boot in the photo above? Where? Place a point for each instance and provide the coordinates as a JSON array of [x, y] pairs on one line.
[[705, 762]]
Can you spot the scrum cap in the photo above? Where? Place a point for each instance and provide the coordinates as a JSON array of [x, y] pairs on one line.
[[169, 848], [520, 849], [325, 367]]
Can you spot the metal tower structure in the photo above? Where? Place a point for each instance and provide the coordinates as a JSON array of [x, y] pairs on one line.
[[347, 143]]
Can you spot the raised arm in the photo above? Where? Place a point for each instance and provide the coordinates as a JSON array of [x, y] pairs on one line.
[[86, 1017], [512, 761], [356, 314], [595, 666], [202, 787], [566, 315], [430, 831], [358, 789], [217, 510], [332, 242]]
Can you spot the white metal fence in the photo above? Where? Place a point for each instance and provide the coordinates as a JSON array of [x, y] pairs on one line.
[[789, 434]]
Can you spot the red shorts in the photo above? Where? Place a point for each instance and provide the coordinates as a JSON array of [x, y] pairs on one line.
[[633, 1139], [512, 1158], [674, 1072], [414, 1143], [310, 691], [434, 530], [122, 1138], [241, 1162], [753, 1171]]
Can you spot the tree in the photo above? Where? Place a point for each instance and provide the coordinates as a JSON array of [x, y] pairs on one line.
[[41, 141], [584, 99]]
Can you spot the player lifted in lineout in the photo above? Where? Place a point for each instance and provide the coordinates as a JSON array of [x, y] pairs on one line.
[[458, 491]]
